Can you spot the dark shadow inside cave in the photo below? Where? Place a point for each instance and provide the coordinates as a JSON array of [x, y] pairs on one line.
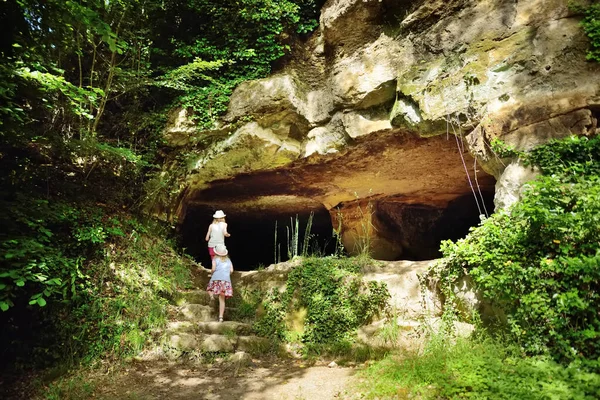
[[252, 243], [418, 229], [406, 229]]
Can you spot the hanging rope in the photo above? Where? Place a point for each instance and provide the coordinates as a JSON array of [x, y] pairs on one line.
[[478, 188], [466, 170]]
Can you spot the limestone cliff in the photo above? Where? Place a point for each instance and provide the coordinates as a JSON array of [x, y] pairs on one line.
[[389, 109]]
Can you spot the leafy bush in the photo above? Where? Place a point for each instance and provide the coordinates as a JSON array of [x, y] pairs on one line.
[[336, 300], [42, 246], [78, 282], [591, 26], [219, 44], [475, 369], [539, 261]]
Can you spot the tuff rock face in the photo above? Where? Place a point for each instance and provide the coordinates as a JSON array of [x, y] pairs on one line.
[[386, 114]]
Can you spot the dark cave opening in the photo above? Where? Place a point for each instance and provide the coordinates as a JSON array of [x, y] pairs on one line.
[[406, 229], [252, 244], [418, 229]]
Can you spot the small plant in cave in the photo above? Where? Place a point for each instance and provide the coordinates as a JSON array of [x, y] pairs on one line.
[[337, 234], [293, 231], [295, 246], [365, 232], [335, 299]]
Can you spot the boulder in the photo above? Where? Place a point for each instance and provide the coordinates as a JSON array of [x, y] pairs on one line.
[[511, 184]]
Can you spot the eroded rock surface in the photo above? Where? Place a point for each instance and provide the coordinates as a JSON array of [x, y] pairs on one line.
[[389, 103]]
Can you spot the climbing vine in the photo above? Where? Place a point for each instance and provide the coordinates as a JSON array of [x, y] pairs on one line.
[[591, 26]]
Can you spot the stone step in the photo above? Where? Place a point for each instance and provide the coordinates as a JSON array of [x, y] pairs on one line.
[[195, 297], [212, 327], [196, 313], [177, 327], [220, 343], [188, 342], [225, 327], [253, 344]]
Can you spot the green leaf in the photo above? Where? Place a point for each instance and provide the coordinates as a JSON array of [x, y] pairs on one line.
[[4, 306], [41, 302], [20, 283]]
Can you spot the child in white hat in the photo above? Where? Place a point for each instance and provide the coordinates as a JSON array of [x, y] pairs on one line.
[[217, 232], [220, 281]]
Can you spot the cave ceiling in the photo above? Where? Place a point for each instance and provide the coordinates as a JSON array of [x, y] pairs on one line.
[[397, 165]]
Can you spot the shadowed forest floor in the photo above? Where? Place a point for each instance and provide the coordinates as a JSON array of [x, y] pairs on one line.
[[263, 379]]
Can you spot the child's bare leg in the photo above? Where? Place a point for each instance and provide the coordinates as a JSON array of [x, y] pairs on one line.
[[221, 305]]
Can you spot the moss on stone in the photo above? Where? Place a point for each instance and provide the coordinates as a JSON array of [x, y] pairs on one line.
[[432, 84], [249, 154]]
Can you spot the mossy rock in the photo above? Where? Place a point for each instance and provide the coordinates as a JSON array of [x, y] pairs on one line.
[[196, 313], [193, 297]]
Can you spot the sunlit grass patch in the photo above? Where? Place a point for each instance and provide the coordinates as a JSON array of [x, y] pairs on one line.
[[475, 369]]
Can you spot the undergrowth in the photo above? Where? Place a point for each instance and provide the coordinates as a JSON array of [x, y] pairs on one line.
[[128, 297], [105, 303], [539, 261], [330, 301], [475, 368]]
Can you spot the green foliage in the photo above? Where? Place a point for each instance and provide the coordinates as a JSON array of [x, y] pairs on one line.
[[126, 298], [43, 245], [336, 300], [99, 278], [591, 26], [70, 388], [503, 150], [219, 44], [49, 83], [245, 304], [475, 369], [181, 77], [540, 261], [572, 158]]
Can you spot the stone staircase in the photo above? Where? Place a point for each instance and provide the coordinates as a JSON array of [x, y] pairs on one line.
[[194, 330], [193, 327]]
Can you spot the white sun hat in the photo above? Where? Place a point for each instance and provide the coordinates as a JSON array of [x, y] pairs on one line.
[[220, 250], [219, 214]]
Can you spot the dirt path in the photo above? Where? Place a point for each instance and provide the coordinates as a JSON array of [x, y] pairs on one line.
[[262, 380]]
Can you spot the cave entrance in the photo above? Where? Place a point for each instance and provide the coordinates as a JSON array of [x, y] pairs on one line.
[[254, 241], [415, 230], [410, 227]]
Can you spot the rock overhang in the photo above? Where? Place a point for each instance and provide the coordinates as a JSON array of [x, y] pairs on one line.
[[377, 115], [396, 172]]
